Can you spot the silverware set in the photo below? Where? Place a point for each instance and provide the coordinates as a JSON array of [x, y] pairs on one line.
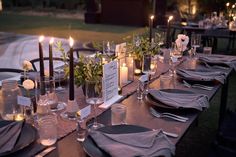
[[168, 115], [200, 86]]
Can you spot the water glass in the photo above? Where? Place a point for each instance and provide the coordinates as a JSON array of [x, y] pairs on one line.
[[81, 130], [118, 114], [10, 110], [165, 81], [47, 127], [207, 50]]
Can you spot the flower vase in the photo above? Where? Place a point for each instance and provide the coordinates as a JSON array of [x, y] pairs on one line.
[[146, 63], [138, 66]]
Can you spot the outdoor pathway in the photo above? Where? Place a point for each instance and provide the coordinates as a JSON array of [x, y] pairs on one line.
[[15, 48]]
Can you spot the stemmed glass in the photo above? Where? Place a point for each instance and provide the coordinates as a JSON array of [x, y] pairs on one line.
[[195, 42], [94, 96], [108, 48], [59, 88]]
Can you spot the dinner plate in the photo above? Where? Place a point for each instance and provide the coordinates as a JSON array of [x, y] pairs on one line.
[[93, 150], [27, 136], [196, 79], [150, 100]]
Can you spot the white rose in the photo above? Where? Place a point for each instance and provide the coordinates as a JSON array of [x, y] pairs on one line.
[[182, 42], [28, 84], [27, 65]]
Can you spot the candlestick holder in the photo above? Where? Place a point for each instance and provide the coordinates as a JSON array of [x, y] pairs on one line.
[[71, 110], [126, 70]]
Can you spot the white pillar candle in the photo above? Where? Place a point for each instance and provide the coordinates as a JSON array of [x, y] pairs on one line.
[[130, 65], [123, 74]]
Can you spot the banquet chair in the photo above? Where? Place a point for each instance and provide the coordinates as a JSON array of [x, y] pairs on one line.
[[9, 72], [84, 51], [35, 62]]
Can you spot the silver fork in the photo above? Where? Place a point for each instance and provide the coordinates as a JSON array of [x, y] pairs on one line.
[[169, 114], [197, 86], [158, 115]]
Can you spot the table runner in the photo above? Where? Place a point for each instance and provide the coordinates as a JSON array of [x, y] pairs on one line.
[[66, 126]]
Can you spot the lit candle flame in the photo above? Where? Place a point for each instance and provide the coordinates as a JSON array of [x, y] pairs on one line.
[[124, 65], [152, 17], [71, 41], [170, 18], [41, 38], [233, 6], [51, 41], [227, 4]]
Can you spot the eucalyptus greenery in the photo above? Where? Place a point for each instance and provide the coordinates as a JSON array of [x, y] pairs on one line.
[[87, 68], [140, 45]]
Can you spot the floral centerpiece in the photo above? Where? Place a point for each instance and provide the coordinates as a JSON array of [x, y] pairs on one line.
[[181, 43], [140, 48], [86, 68]]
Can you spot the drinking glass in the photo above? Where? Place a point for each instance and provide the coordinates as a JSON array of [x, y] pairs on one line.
[[195, 42], [94, 96], [10, 110], [118, 114], [109, 48], [47, 126], [59, 88]]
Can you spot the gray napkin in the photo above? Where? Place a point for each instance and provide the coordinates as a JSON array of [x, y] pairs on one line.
[[142, 144], [206, 75], [177, 100], [9, 135], [220, 59]]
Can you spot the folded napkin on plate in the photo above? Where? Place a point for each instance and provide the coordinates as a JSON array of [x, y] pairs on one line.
[[177, 100], [205, 75], [149, 143], [220, 59], [9, 134]]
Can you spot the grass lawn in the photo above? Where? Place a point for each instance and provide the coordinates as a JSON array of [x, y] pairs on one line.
[[59, 27]]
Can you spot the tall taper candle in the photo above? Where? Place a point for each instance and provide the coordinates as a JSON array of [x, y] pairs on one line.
[[71, 80], [168, 42], [150, 27], [41, 65], [51, 58]]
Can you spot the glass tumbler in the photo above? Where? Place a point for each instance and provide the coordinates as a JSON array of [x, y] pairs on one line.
[[47, 126], [118, 114]]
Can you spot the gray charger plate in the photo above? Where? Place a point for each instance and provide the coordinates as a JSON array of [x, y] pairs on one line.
[[150, 100], [91, 148]]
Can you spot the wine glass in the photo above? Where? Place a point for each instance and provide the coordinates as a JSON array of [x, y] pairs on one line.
[[195, 42], [94, 96], [59, 88], [109, 48]]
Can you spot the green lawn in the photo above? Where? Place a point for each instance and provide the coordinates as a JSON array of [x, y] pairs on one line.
[[58, 27]]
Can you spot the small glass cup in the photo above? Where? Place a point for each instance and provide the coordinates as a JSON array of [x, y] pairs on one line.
[[207, 50], [47, 126], [165, 81], [118, 114], [81, 130]]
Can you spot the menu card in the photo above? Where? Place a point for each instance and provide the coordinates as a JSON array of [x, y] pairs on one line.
[[110, 84]]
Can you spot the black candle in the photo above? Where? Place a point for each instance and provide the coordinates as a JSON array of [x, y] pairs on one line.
[[168, 42], [51, 58], [71, 80], [41, 66], [150, 27]]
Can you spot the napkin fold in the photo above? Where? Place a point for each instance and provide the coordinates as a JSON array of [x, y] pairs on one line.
[[9, 135], [142, 144], [220, 59], [206, 75], [181, 99]]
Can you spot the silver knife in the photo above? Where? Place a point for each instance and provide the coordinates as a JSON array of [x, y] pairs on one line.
[[45, 151]]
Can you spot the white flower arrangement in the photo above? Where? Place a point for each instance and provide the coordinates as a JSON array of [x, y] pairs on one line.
[[27, 65], [182, 42]]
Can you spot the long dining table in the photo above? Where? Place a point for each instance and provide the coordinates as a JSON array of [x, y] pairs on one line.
[[137, 111]]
